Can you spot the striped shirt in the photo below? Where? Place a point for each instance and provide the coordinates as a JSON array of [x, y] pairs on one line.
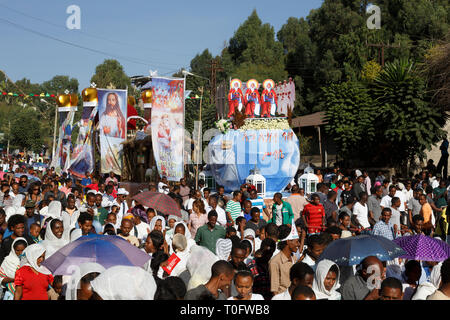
[[234, 208], [259, 203]]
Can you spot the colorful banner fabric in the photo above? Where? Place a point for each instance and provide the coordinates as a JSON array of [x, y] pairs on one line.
[[167, 123], [275, 152], [112, 126], [61, 161], [82, 160]]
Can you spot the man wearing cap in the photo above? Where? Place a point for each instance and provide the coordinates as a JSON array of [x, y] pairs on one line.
[[280, 264], [121, 202], [30, 215]]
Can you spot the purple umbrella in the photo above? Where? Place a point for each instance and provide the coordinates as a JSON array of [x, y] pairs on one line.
[[105, 250], [421, 247]]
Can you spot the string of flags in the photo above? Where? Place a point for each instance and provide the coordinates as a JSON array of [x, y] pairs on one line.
[[42, 95]]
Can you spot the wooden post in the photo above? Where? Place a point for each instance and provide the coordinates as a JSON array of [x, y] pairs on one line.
[[199, 137], [320, 146]]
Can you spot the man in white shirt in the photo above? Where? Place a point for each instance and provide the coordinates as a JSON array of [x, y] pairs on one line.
[[197, 195], [367, 182], [122, 204], [221, 215], [162, 186], [408, 192], [361, 211], [386, 200]]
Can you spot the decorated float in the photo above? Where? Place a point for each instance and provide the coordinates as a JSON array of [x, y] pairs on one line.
[[256, 139]]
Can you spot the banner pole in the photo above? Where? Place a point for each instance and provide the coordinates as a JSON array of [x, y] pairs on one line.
[[199, 137]]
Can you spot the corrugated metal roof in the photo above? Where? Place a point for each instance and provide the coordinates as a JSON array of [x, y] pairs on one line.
[[314, 119]]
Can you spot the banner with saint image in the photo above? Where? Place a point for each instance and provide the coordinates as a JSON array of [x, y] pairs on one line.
[[167, 123], [112, 127]]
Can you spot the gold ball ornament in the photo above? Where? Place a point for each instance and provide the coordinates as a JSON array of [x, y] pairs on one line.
[[147, 96]]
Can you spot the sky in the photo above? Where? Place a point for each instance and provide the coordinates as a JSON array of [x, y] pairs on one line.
[[142, 35]]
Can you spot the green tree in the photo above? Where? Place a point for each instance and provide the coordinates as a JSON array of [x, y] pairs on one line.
[[406, 121], [59, 84], [110, 73], [253, 52], [25, 131], [350, 116]]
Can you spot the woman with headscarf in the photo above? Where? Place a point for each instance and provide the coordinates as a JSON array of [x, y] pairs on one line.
[[10, 265], [181, 228], [140, 220], [124, 283], [223, 248], [199, 266], [326, 281], [158, 223], [426, 288], [32, 279], [179, 246], [171, 221], [78, 287], [56, 237]]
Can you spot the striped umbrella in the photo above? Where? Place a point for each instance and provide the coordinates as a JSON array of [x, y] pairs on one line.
[[421, 247], [161, 202], [105, 250]]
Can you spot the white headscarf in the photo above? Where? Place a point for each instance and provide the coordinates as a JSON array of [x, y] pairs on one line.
[[223, 248], [187, 233], [51, 242], [10, 211], [124, 283], [322, 269], [54, 209], [80, 271], [17, 201], [32, 253], [153, 223], [199, 266], [12, 262], [426, 288]]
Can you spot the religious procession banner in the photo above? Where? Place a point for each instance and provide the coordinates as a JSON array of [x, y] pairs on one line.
[[112, 126], [61, 161], [286, 96], [167, 123], [82, 160]]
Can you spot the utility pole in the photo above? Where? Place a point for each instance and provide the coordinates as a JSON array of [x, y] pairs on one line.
[[214, 68], [382, 46]]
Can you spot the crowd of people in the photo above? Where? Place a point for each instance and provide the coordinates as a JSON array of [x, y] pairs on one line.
[[221, 246]]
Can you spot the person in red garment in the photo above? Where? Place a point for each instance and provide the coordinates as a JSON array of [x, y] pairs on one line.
[[32, 279], [252, 98], [314, 215], [235, 97], [269, 99]]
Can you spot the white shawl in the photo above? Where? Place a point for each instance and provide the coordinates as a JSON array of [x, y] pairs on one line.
[[12, 262], [32, 254], [322, 269], [51, 242]]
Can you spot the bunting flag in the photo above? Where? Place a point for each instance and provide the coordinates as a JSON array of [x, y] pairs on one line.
[[40, 95]]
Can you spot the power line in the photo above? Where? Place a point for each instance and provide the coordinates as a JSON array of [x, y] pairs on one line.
[[129, 59], [92, 35]]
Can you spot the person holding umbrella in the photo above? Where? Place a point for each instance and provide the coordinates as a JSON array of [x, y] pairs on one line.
[[357, 286]]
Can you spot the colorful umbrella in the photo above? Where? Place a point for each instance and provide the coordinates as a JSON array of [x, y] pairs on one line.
[[161, 202], [421, 247], [105, 250], [352, 250]]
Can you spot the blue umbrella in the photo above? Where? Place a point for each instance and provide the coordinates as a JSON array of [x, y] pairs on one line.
[[352, 250], [105, 250]]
